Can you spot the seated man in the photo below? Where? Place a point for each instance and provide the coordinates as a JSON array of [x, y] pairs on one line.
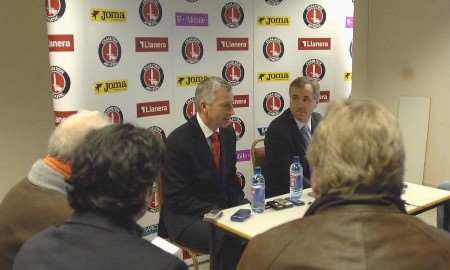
[[289, 134], [113, 171], [39, 200], [200, 171], [358, 220]]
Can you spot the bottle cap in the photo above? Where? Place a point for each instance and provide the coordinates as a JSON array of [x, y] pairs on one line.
[[258, 170]]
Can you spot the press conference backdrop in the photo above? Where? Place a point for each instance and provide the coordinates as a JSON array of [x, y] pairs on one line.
[[139, 61]]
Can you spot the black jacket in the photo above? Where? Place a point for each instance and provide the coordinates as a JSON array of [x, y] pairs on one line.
[[90, 241], [283, 141], [191, 183]]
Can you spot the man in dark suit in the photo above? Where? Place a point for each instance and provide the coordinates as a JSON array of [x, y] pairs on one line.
[[113, 171], [200, 171], [289, 134]]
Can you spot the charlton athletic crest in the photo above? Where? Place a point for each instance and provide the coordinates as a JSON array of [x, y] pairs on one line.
[[273, 49], [233, 72], [150, 12], [60, 82], [189, 108], [115, 114], [109, 51], [152, 77], [314, 16], [192, 50], [158, 132], [238, 126], [314, 68], [54, 9], [273, 104], [274, 2], [232, 15]]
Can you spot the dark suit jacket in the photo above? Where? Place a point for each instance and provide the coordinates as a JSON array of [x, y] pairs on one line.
[[191, 183], [90, 241], [283, 141]]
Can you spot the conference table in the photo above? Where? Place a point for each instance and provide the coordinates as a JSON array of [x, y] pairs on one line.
[[418, 199]]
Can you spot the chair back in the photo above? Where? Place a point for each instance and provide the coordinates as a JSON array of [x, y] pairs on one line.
[[258, 153]]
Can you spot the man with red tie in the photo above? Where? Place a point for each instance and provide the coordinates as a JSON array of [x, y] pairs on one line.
[[200, 171]]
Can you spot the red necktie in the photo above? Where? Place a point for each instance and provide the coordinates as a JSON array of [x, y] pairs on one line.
[[215, 148]]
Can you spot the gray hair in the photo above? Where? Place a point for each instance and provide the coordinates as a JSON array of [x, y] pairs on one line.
[[357, 148], [207, 89], [66, 137], [301, 82]]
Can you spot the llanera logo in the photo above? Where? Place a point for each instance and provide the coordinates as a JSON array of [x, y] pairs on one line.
[[314, 43], [152, 44], [60, 43], [232, 44], [153, 108]]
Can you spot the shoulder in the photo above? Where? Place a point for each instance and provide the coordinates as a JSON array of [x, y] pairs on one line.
[[282, 120], [316, 116], [181, 134]]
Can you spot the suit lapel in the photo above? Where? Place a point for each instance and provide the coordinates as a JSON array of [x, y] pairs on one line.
[[200, 143], [296, 135]]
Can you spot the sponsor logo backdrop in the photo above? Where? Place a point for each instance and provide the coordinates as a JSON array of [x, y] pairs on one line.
[[139, 61]]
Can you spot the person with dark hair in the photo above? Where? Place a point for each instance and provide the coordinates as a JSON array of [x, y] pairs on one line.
[[39, 200], [289, 134], [112, 175], [200, 172]]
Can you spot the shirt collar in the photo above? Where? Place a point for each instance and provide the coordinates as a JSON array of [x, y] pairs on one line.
[[300, 125], [205, 129]]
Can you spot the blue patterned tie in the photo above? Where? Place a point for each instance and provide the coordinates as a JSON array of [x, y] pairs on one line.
[[306, 135]]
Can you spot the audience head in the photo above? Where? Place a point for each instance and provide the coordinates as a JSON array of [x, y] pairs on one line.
[[304, 93], [357, 149], [65, 138], [113, 171], [214, 102]]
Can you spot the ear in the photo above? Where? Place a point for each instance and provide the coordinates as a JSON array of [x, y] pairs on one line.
[[202, 106]]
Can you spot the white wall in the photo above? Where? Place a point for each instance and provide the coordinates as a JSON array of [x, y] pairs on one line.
[[25, 103], [408, 54]]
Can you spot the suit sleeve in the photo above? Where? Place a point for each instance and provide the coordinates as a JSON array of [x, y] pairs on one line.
[[278, 155], [177, 182]]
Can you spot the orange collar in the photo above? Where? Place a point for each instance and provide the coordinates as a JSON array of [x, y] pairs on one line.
[[63, 168]]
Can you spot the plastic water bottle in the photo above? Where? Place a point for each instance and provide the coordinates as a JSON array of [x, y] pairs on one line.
[[258, 190], [296, 179]]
